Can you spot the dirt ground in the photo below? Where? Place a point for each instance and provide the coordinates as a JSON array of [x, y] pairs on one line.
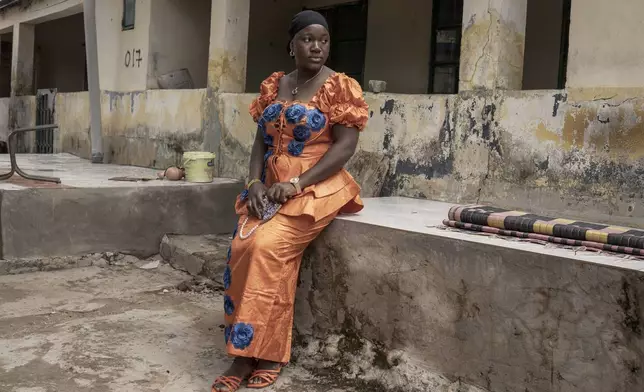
[[116, 329]]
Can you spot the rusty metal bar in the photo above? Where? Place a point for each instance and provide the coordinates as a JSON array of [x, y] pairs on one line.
[[12, 155]]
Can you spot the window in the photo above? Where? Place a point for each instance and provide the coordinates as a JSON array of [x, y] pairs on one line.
[[446, 46], [546, 44], [129, 14], [348, 28]]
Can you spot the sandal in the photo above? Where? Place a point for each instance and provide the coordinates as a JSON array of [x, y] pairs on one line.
[[231, 382], [268, 376]]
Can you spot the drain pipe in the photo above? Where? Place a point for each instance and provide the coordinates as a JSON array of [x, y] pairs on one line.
[[96, 135]]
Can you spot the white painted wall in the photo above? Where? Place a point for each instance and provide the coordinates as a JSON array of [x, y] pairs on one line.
[[114, 44], [605, 44], [60, 54], [179, 38]]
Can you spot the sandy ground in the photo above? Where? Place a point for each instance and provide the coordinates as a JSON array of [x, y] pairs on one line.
[[116, 330]]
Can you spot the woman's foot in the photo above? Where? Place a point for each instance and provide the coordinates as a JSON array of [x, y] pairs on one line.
[[239, 370], [265, 374]]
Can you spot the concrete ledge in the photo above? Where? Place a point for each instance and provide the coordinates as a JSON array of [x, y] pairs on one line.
[[396, 300], [64, 222]]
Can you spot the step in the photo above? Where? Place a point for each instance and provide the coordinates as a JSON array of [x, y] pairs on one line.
[[89, 213]]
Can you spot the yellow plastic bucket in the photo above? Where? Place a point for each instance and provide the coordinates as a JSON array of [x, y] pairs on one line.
[[199, 166]]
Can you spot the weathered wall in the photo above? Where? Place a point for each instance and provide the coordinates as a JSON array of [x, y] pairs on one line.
[[542, 151], [152, 128], [605, 49], [429, 312], [73, 119], [4, 118], [60, 54], [180, 38]]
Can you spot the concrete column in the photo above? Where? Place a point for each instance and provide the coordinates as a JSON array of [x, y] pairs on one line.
[[228, 45], [493, 44], [22, 62]]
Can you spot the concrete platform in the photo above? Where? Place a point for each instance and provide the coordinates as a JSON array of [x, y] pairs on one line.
[[88, 213], [118, 330], [421, 308]]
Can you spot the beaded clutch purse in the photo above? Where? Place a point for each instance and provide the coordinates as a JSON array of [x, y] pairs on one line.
[[270, 209]]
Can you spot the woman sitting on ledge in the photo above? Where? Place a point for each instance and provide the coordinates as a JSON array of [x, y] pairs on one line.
[[308, 124]]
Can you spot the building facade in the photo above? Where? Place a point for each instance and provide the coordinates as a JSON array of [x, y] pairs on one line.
[[532, 104]]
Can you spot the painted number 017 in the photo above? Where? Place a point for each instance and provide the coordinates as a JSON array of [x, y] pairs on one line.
[[133, 58]]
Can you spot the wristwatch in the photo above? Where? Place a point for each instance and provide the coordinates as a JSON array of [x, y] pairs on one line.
[[295, 181]]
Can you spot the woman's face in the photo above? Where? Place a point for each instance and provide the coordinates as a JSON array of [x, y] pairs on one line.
[[311, 47]]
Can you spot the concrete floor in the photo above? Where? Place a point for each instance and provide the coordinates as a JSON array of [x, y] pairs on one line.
[[76, 172], [116, 330]]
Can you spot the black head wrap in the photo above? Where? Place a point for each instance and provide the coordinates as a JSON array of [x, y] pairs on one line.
[[303, 20]]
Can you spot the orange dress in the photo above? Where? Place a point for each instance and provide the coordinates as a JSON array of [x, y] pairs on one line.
[[261, 277]]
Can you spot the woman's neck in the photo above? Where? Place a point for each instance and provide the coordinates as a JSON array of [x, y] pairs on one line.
[[304, 74]]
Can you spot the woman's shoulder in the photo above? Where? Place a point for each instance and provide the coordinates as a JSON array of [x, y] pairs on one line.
[[267, 94], [343, 88]]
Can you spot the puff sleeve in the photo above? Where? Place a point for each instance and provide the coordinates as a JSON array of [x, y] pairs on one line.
[[343, 100], [267, 94]]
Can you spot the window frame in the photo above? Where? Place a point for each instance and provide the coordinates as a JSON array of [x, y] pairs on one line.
[[128, 24], [433, 64], [565, 44]]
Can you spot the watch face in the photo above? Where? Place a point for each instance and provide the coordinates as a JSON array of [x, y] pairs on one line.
[[295, 180]]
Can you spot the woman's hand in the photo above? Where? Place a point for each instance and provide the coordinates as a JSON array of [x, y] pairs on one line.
[[281, 192], [256, 194]]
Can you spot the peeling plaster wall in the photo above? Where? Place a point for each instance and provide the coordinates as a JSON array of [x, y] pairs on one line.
[[534, 150], [152, 128], [4, 118], [73, 119]]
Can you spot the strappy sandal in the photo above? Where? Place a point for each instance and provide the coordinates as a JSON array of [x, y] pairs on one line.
[[231, 382], [268, 376]]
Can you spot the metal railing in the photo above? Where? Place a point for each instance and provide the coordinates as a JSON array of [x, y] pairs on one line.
[[12, 154]]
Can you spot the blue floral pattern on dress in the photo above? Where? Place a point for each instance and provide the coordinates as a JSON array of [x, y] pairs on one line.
[[295, 148], [230, 253], [301, 133], [272, 112], [268, 154], [227, 278], [295, 113], [242, 336], [227, 332], [315, 120], [268, 139], [261, 125], [244, 195], [229, 306]]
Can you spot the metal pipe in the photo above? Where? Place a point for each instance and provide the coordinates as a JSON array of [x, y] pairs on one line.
[[12, 155], [91, 42]]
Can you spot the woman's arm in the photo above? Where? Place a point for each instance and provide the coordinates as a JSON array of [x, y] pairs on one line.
[[345, 141], [257, 191], [257, 157]]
